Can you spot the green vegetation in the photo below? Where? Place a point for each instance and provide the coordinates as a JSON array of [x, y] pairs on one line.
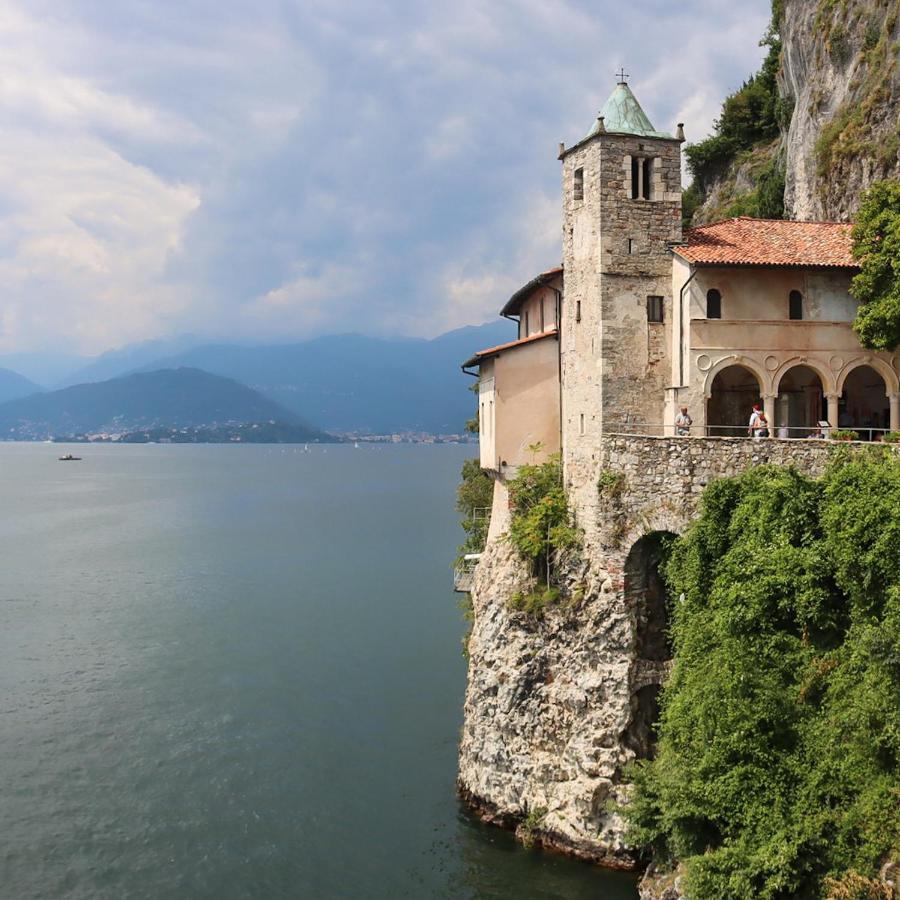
[[474, 498], [541, 524], [610, 483], [528, 827], [750, 120], [844, 434], [472, 425], [849, 133], [876, 244], [778, 761]]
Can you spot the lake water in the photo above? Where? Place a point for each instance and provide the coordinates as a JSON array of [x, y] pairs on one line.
[[235, 671]]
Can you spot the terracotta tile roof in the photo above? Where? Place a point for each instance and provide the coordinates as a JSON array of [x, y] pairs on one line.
[[523, 293], [482, 355], [769, 242]]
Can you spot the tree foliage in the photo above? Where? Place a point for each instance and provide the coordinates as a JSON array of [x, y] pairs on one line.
[[475, 493], [876, 243], [541, 521], [778, 763], [750, 118]]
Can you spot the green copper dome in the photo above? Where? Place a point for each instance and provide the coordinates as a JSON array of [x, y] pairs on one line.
[[622, 114]]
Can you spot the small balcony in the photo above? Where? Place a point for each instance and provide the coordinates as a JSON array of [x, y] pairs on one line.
[[464, 573]]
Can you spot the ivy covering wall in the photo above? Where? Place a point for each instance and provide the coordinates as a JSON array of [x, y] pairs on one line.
[[777, 771]]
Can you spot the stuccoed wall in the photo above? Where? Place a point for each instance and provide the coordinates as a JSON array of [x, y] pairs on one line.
[[548, 701]]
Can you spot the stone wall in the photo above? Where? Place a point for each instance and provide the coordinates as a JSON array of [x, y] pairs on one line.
[[615, 364], [551, 704]]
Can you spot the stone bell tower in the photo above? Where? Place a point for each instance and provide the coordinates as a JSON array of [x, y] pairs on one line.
[[622, 211]]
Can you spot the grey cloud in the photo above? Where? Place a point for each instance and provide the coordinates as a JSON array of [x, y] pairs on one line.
[[295, 168]]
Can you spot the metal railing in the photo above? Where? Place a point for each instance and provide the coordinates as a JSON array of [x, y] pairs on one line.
[[463, 573], [782, 432]]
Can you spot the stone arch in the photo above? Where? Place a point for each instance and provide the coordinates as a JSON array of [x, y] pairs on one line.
[[647, 604], [733, 388], [825, 375], [801, 402], [887, 373], [866, 398], [727, 361]]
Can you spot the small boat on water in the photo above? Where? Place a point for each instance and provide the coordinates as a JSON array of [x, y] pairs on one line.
[[67, 457]]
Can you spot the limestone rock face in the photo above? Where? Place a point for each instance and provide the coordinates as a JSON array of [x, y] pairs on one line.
[[553, 709], [840, 68], [545, 706], [839, 86]]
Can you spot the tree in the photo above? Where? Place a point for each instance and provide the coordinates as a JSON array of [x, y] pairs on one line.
[[777, 771], [876, 244]]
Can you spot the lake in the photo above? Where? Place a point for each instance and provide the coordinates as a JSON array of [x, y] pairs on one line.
[[235, 671]]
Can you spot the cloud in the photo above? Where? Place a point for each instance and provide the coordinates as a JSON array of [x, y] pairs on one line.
[[283, 168]]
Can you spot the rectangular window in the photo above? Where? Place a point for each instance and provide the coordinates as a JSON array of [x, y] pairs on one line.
[[648, 183], [795, 305], [635, 178], [630, 246], [581, 424], [654, 309], [578, 185], [577, 310]]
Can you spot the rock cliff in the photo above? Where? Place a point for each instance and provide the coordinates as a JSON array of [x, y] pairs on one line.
[[841, 72], [838, 113], [557, 706]]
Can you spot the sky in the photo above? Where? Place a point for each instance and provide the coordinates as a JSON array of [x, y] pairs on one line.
[[279, 169]]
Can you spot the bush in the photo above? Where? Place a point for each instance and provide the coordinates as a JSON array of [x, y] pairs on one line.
[[750, 116], [777, 771], [541, 522], [844, 434], [475, 492], [876, 244]]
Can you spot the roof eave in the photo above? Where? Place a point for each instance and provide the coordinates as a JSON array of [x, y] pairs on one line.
[[720, 264], [511, 306], [484, 355], [586, 140]]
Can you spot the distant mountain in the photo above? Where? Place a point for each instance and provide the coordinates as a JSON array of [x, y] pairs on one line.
[[127, 359], [355, 383], [13, 385], [45, 367], [180, 397]]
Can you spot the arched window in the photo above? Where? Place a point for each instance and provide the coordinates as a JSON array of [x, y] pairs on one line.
[[578, 184], [713, 304], [795, 305]]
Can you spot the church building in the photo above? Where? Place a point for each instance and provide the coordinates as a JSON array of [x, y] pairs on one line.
[[641, 320]]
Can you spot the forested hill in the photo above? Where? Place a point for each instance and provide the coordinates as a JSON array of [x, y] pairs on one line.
[[13, 385], [819, 123], [358, 383], [173, 397]]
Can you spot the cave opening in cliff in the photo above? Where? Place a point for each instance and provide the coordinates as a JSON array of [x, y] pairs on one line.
[[646, 598], [734, 391]]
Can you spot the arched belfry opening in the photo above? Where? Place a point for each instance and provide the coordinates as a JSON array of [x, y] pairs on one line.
[[646, 598], [734, 391]]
